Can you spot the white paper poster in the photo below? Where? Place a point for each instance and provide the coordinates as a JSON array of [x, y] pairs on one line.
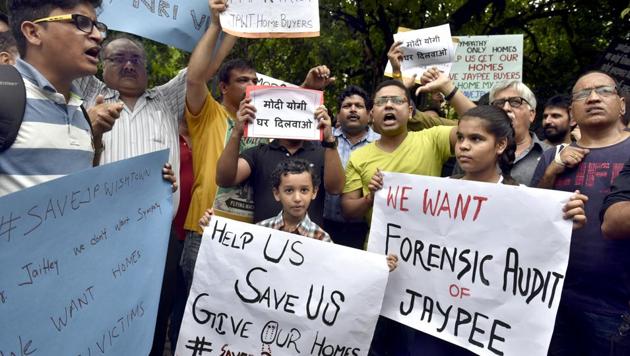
[[480, 265], [284, 112], [258, 291]]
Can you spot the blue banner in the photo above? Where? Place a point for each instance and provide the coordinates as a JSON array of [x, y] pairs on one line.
[[178, 23], [82, 259]]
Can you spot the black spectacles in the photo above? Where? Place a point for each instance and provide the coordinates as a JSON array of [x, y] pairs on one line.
[[514, 101], [82, 22]]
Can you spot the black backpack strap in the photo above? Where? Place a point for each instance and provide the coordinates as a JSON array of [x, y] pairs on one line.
[[87, 117], [12, 105]]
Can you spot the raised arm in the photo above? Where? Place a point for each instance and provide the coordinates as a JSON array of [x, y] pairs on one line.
[[202, 66], [395, 55], [334, 177], [434, 80], [231, 169]]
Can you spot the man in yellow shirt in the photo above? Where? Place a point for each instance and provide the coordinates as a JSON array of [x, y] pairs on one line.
[[208, 122], [398, 150]]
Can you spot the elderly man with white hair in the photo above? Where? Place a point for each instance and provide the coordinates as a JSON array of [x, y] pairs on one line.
[[516, 99]]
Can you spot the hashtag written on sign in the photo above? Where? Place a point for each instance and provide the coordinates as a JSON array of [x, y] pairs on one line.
[[199, 346]]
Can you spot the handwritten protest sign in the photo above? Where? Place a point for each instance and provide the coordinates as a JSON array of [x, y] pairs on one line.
[[261, 291], [423, 49], [474, 259], [178, 23], [616, 62], [265, 80], [284, 113], [481, 61], [265, 19], [82, 259]]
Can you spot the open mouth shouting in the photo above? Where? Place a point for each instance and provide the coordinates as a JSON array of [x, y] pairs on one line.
[[92, 54]]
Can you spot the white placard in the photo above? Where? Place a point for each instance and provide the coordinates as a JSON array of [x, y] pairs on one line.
[[264, 19], [480, 265], [283, 112], [481, 61], [262, 291], [423, 49]]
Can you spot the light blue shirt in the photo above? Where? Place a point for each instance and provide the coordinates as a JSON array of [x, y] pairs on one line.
[[332, 204], [54, 139]]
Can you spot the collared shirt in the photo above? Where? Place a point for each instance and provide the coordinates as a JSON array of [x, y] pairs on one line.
[[152, 124], [305, 228], [54, 139], [332, 205], [525, 164]]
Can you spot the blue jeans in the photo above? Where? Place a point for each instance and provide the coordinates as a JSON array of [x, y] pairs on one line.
[[189, 257]]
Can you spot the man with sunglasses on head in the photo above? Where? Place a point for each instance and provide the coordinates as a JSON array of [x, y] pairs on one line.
[[58, 41], [597, 283]]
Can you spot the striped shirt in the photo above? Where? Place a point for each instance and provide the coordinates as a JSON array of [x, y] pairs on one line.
[[54, 139], [152, 125], [305, 228]]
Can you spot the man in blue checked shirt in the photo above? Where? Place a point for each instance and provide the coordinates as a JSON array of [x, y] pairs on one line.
[[352, 132]]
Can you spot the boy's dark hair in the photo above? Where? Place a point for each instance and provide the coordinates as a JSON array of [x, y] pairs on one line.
[[499, 124], [561, 101], [229, 66], [122, 36], [4, 18], [395, 83], [6, 41], [354, 90], [29, 10], [293, 166]]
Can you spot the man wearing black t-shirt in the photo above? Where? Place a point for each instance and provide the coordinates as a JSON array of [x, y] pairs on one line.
[[597, 285]]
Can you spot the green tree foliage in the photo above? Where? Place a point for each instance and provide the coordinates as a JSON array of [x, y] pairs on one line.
[[562, 39]]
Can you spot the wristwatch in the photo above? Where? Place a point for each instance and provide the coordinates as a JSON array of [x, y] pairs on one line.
[[328, 144]]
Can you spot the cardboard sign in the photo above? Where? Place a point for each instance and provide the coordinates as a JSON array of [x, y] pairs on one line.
[[480, 265], [285, 113], [481, 61], [176, 23], [82, 259], [258, 291], [423, 49], [616, 62], [268, 19]]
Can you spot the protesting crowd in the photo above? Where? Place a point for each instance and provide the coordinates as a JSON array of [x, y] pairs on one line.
[[324, 189]]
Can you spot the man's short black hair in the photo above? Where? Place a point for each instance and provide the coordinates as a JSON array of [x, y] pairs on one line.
[[354, 90], [229, 66], [293, 166], [395, 83], [4, 18], [7, 42], [561, 101], [29, 10]]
